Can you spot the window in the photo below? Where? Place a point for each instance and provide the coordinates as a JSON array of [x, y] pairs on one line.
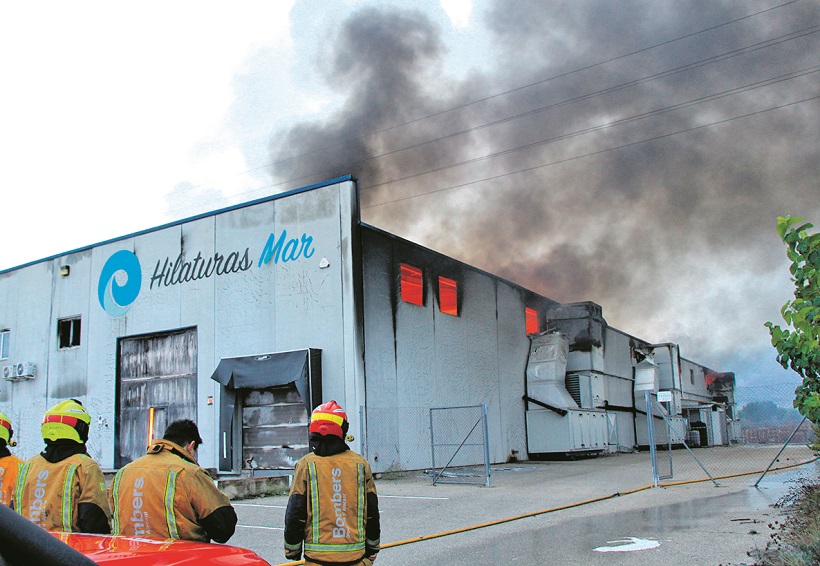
[[5, 338], [532, 321], [448, 296], [68, 332], [692, 376], [412, 285]]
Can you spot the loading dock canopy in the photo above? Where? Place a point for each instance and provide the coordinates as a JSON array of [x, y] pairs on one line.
[[264, 370]]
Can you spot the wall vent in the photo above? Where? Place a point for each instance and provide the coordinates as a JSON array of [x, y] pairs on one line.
[[573, 384]]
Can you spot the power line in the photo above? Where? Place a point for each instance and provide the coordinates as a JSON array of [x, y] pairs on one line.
[[656, 76], [593, 153], [643, 80], [530, 85], [497, 95], [622, 121]]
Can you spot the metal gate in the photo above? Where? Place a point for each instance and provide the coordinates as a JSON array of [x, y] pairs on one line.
[[460, 447], [659, 469]]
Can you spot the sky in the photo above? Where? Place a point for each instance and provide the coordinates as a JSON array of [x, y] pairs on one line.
[[635, 154]]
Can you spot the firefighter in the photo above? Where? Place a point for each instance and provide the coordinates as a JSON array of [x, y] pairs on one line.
[[333, 509], [165, 494], [62, 488], [9, 463]]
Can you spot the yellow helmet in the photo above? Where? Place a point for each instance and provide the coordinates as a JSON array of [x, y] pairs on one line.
[[67, 419], [6, 432]]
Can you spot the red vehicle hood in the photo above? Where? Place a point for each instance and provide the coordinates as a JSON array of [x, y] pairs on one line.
[[131, 551]]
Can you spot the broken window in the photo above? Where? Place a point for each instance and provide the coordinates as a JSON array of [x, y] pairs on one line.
[[5, 337], [448, 296], [532, 321], [68, 332], [412, 289]]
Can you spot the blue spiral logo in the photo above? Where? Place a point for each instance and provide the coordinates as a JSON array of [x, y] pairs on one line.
[[116, 299]]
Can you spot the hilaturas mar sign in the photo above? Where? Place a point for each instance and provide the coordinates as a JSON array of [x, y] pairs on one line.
[[121, 276]]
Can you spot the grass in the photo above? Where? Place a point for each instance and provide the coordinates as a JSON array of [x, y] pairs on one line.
[[796, 540]]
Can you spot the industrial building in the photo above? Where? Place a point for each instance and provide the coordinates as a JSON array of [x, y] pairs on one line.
[[246, 318]]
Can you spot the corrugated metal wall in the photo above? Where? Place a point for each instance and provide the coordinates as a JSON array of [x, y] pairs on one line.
[[418, 357]]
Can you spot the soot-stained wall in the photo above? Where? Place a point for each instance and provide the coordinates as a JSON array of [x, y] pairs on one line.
[[417, 357]]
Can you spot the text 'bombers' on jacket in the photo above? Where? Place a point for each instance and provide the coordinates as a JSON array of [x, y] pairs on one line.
[[333, 511], [166, 494], [66, 494]]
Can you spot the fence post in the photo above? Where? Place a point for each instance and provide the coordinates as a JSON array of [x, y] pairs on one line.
[[486, 446], [650, 428]]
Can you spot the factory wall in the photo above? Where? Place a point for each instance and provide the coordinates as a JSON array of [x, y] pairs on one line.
[[418, 357], [269, 276], [398, 329]]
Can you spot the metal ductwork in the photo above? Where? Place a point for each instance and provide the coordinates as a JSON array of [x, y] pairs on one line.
[[546, 369]]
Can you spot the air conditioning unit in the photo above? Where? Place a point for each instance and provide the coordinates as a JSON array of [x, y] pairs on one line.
[[24, 370], [8, 373]]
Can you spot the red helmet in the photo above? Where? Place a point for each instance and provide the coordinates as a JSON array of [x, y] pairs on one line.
[[329, 418]]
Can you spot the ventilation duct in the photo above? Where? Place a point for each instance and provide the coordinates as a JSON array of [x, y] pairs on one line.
[[546, 369]]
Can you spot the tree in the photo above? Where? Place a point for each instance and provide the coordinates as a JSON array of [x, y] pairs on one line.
[[797, 343], [765, 414]]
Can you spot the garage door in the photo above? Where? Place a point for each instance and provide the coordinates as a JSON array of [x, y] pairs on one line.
[[156, 384], [274, 427]]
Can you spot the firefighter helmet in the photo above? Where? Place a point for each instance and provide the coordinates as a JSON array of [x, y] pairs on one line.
[[67, 419], [329, 418], [6, 432]]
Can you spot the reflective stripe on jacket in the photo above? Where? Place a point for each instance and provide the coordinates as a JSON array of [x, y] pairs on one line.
[[49, 494], [164, 494], [336, 489], [9, 470]]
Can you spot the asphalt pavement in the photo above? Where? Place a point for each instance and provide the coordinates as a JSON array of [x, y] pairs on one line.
[[604, 510]]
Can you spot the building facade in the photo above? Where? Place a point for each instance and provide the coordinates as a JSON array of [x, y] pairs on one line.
[[246, 318]]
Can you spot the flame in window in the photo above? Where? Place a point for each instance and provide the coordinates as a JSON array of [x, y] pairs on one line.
[[448, 296], [412, 285], [532, 321]]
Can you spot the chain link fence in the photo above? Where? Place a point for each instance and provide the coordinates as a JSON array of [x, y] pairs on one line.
[[761, 433], [449, 444], [765, 439]]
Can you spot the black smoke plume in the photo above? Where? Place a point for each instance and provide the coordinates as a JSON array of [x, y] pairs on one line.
[[643, 167]]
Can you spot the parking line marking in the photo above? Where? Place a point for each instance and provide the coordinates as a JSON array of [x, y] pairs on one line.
[[410, 497], [258, 527]]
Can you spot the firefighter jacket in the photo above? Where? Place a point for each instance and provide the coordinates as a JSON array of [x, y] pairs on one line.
[[166, 495], [332, 510], [68, 495], [9, 468]]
